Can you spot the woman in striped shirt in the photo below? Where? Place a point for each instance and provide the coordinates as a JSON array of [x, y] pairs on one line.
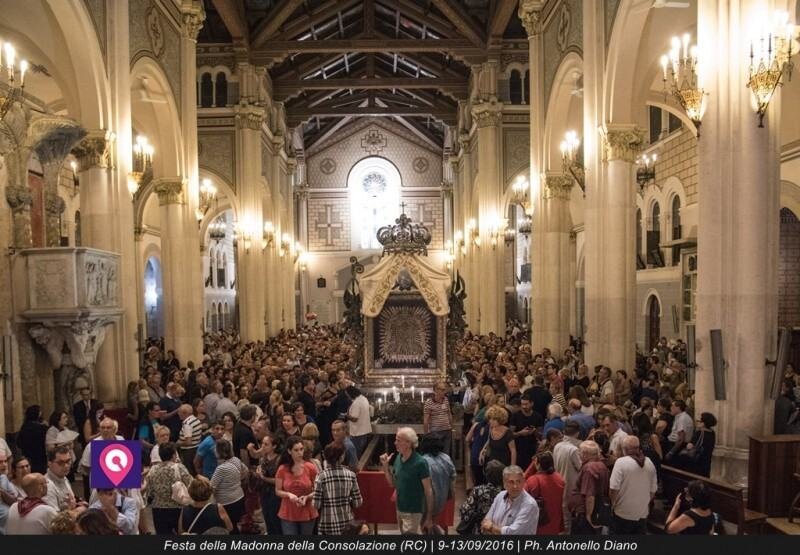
[[227, 482], [336, 493]]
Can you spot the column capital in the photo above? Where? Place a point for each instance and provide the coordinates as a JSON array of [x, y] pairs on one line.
[[488, 113], [622, 142], [530, 13], [19, 198], [54, 204], [249, 117], [94, 150], [278, 141], [446, 189], [169, 190], [193, 15], [557, 186], [301, 191]]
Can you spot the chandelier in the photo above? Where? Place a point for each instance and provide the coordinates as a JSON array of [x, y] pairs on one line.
[[571, 159], [12, 76], [646, 170], [770, 60], [207, 193], [142, 162], [525, 227], [519, 194], [679, 69], [218, 230]]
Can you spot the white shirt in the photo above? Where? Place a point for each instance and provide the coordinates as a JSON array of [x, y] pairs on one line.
[[567, 460], [5, 449], [635, 484], [683, 422], [36, 522], [59, 492], [359, 409], [86, 457], [615, 441]]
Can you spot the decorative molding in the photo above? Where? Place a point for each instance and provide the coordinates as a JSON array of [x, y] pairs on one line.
[[19, 198], [622, 142], [169, 190], [156, 33], [530, 13], [488, 114], [216, 153], [361, 124], [373, 142], [193, 17], [94, 150], [54, 204], [216, 122], [518, 56], [558, 187], [249, 117], [516, 151]]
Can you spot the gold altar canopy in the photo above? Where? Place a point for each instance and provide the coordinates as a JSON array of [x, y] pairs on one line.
[[433, 284]]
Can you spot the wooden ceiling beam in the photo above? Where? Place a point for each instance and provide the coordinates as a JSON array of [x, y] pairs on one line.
[[421, 15], [296, 116], [233, 16], [280, 49], [291, 87], [503, 11], [322, 13], [462, 21], [272, 23]]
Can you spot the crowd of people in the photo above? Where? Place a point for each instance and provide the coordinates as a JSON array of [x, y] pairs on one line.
[[268, 437]]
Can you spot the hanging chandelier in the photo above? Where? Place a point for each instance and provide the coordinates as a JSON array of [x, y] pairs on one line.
[[12, 77], [207, 193], [142, 163], [770, 60], [679, 69]]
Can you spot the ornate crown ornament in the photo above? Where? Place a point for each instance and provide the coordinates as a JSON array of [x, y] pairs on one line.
[[404, 237]]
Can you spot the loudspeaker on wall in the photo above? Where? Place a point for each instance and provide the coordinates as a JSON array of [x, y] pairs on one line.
[[718, 362]]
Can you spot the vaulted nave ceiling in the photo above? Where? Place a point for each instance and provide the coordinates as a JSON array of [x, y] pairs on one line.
[[332, 61]]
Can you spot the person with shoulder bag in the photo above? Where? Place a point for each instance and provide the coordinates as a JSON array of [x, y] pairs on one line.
[[590, 503], [168, 497], [203, 514]]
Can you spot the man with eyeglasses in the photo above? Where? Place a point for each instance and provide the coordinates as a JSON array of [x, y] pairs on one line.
[[59, 491]]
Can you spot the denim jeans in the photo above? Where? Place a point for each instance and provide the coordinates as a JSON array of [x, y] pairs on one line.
[[292, 528]]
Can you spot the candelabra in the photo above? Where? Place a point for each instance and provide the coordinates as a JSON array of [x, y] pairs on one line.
[[520, 194], [679, 69], [646, 170], [218, 230], [12, 76], [458, 241], [142, 162], [268, 236], [207, 193], [571, 159], [525, 227], [473, 233], [286, 244], [496, 231], [770, 60]]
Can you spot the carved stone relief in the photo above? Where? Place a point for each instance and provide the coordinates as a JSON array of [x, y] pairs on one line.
[[153, 34]]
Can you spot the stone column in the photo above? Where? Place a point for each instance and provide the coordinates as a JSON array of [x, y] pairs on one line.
[[737, 239], [490, 258], [551, 265], [469, 258], [611, 240], [301, 201], [193, 16], [250, 278], [544, 327], [179, 332]]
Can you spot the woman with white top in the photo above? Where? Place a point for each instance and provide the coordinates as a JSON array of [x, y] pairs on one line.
[[227, 482]]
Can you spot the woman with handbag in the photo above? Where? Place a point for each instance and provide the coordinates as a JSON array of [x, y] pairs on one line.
[[227, 482], [163, 488], [202, 514], [547, 488], [696, 455]]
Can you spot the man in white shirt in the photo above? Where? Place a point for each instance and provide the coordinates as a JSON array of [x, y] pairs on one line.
[[4, 448], [682, 427], [615, 435], [31, 515], [120, 509], [59, 491], [359, 419], [567, 459], [108, 432], [632, 487]]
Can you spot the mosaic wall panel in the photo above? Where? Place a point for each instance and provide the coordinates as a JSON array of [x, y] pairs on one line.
[[789, 270], [216, 153], [516, 152], [329, 224], [153, 34], [610, 14], [563, 33], [329, 164]]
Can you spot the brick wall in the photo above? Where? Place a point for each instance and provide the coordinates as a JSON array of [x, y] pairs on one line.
[[329, 224], [678, 157], [789, 270]]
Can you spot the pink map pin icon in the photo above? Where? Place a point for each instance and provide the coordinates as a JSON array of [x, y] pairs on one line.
[[116, 461]]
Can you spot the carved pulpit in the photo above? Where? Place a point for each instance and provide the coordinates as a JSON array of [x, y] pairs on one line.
[[405, 308]]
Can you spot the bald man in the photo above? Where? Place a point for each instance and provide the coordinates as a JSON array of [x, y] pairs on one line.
[[31, 515]]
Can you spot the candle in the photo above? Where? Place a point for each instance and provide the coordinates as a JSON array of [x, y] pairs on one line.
[[664, 62], [403, 382], [23, 67], [412, 392]]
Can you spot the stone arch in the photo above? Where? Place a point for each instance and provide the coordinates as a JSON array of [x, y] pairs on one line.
[[562, 110], [790, 196]]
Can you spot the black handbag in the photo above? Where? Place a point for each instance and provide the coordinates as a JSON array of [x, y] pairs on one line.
[[544, 517], [603, 513], [467, 527]]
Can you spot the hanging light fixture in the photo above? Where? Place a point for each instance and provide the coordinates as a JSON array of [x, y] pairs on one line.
[[142, 162], [218, 230], [571, 159], [646, 170], [679, 68], [207, 193], [12, 76], [770, 60], [520, 193]]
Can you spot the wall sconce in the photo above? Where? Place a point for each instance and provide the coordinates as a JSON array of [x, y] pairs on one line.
[[770, 60], [509, 236], [268, 237], [525, 227], [247, 231], [646, 170], [449, 255], [473, 233], [458, 241], [142, 162], [302, 261], [520, 194], [679, 67], [286, 244], [496, 231], [206, 194], [572, 159]]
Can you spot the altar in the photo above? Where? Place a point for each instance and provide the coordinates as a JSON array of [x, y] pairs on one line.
[[404, 304]]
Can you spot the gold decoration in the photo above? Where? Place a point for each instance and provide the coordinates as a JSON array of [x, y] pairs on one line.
[[622, 142]]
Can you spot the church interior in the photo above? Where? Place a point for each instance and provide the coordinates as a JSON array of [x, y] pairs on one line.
[[617, 181]]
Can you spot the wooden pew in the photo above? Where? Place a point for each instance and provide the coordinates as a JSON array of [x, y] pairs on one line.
[[727, 500]]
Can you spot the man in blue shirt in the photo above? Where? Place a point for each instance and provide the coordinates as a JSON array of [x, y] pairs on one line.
[[119, 509], [339, 434], [514, 511], [205, 462], [585, 421]]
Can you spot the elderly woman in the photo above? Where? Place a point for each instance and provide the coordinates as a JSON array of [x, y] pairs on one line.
[[336, 493], [480, 499], [202, 514], [162, 475], [162, 438], [227, 482]]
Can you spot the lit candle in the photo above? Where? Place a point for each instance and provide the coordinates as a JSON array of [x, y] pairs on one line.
[[403, 382], [10, 53], [664, 63], [685, 45], [23, 67], [412, 392]]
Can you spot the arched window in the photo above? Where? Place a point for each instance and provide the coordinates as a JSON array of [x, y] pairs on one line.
[[221, 90], [221, 278], [676, 229], [374, 185], [654, 256], [206, 91], [515, 87], [639, 262], [226, 316]]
